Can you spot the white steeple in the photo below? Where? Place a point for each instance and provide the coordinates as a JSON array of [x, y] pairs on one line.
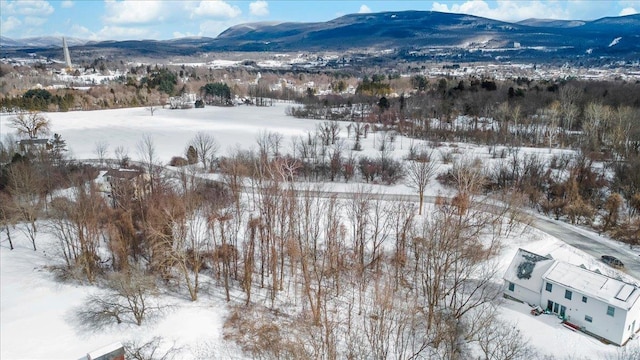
[[67, 57]]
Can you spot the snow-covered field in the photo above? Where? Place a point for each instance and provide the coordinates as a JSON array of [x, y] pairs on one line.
[[36, 319]]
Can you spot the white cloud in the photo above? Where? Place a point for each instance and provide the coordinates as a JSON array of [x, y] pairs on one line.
[[112, 33], [215, 9], [508, 10], [364, 9], [259, 8], [34, 20], [628, 11], [67, 4], [82, 32], [8, 24], [27, 8], [178, 34], [124, 33], [134, 12]]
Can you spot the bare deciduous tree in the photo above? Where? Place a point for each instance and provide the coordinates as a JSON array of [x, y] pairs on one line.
[[148, 156], [79, 225], [128, 299], [7, 216], [502, 341], [206, 148], [101, 149], [122, 156], [419, 173], [31, 124], [151, 350], [26, 190]]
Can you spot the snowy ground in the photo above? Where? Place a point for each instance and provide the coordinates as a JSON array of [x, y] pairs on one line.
[[37, 323], [36, 319]]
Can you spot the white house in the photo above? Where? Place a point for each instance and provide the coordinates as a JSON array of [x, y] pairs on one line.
[[592, 302]]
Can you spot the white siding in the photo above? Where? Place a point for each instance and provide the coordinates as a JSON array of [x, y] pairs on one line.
[[523, 294], [632, 315], [608, 327], [530, 273]]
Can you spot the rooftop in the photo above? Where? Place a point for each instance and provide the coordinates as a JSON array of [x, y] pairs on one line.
[[612, 291], [526, 269]]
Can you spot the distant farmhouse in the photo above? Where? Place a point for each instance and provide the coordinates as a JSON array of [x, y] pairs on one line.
[[589, 301], [31, 146], [185, 101]]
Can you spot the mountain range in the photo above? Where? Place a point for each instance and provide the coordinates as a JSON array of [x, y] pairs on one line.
[[410, 31]]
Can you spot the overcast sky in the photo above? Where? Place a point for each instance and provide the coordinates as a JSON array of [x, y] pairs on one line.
[[165, 19]]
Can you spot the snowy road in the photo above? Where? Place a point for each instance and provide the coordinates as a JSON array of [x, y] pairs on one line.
[[589, 243], [576, 237]]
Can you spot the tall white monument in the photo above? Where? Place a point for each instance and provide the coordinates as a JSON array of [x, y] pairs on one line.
[[67, 57]]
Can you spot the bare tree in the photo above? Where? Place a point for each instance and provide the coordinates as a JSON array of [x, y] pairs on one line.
[[569, 97], [358, 209], [596, 124], [101, 149], [419, 173], [154, 100], [624, 129], [26, 190], [328, 132], [31, 124], [469, 177], [151, 350], [122, 156], [7, 216], [452, 265], [553, 114], [269, 143], [127, 299], [79, 225], [206, 148], [148, 156], [191, 245], [225, 253], [502, 341]]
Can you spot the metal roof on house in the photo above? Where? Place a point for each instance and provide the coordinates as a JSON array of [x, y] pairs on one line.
[[592, 284]]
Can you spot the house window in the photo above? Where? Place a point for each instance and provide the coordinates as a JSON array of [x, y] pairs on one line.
[[611, 310], [549, 286], [511, 286], [584, 299], [588, 318], [567, 294]]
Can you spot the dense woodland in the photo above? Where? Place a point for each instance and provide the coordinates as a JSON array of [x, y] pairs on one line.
[[322, 276]]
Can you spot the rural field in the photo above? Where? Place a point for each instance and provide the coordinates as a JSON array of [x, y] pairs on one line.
[[41, 303]]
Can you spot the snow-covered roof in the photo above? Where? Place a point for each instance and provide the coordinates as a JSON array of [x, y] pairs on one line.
[[108, 349], [526, 269], [595, 285]]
